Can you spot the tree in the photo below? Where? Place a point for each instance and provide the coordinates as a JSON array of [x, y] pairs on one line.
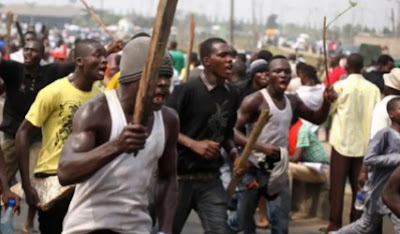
[[386, 31], [271, 21]]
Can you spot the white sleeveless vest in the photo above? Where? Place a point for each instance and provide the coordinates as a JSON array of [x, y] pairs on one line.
[[116, 197], [276, 131]]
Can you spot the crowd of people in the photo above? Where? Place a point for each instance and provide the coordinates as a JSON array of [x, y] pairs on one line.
[[86, 169]]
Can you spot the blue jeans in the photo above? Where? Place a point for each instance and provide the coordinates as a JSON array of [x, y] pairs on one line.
[[208, 199], [251, 188]]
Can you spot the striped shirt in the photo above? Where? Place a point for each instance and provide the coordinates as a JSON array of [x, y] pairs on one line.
[[351, 115], [313, 149]]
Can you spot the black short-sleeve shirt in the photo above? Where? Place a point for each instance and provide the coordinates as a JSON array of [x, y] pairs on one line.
[[22, 88], [204, 115]]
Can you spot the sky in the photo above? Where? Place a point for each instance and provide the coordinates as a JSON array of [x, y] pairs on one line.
[[371, 13]]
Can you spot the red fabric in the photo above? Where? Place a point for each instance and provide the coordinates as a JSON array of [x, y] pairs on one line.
[[335, 75], [294, 130]]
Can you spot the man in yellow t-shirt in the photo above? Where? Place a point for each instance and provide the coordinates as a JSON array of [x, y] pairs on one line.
[[53, 111]]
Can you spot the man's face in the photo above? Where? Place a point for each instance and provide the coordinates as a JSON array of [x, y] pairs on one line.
[[162, 92], [261, 79], [32, 53], [279, 74], [387, 68], [220, 60], [94, 61], [395, 113], [29, 37]]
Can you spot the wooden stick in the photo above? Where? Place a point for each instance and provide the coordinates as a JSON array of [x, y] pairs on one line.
[[98, 20], [190, 49], [325, 55], [244, 158], [10, 19], [20, 34], [157, 48]]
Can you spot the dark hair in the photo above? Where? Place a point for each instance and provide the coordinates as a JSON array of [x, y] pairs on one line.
[[239, 67], [309, 71], [140, 34], [334, 61], [355, 63], [40, 46], [242, 57], [80, 45], [392, 104], [206, 46], [384, 59], [30, 32], [117, 59], [265, 54], [173, 44], [292, 57], [194, 59]]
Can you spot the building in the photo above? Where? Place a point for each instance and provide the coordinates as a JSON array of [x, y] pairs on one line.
[[51, 16]]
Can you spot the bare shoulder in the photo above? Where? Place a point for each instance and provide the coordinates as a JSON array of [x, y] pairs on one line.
[[253, 102], [170, 116], [92, 114]]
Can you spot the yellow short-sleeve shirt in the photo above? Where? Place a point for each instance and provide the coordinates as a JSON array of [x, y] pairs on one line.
[[53, 110]]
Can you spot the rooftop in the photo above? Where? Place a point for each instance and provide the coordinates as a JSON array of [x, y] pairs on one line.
[[32, 9]]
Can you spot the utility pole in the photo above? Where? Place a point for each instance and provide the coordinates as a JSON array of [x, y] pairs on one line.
[[253, 12], [393, 23], [232, 23]]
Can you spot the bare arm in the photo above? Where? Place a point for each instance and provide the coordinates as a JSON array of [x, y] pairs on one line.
[[363, 176], [167, 194], [22, 152], [248, 113], [205, 148], [298, 155], [4, 189], [81, 157], [3, 176], [391, 194]]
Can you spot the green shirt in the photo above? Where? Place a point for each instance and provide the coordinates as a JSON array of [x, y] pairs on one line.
[[313, 149], [178, 59]]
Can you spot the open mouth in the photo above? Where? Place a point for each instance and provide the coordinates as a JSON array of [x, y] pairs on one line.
[[102, 71], [159, 98], [27, 59]]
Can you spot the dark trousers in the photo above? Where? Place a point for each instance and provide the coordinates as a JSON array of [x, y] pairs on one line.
[[208, 199], [341, 167], [50, 221]]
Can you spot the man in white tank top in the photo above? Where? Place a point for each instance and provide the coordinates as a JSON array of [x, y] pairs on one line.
[[113, 162], [273, 137]]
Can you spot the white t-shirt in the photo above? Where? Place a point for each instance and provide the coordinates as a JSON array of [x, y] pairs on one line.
[[380, 117], [312, 96]]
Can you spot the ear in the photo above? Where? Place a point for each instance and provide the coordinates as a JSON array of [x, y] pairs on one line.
[[79, 61], [391, 115], [206, 61]]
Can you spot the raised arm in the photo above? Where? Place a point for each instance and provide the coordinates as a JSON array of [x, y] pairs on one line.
[[320, 115], [167, 193], [81, 157]]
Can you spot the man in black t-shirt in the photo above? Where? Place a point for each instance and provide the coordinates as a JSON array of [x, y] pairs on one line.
[[21, 83], [384, 65], [207, 110]]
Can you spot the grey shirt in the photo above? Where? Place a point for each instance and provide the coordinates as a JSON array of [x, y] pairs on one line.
[[382, 157]]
